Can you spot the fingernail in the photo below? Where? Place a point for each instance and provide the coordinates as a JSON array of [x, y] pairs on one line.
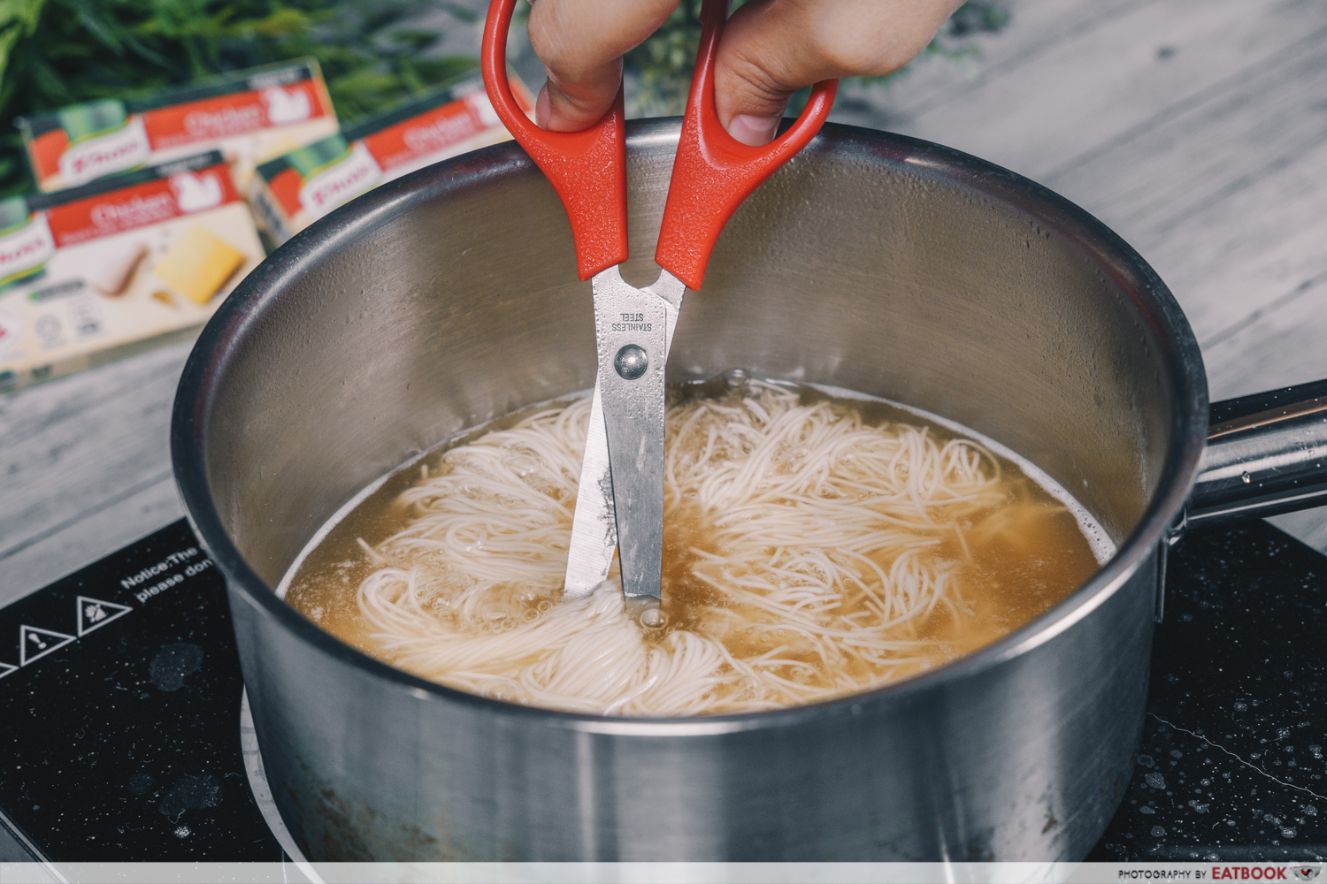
[[753, 130], [543, 108]]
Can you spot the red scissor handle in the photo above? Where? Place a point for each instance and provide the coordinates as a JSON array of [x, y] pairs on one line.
[[714, 172], [588, 169]]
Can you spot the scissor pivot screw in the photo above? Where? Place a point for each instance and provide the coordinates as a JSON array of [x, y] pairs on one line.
[[631, 362]]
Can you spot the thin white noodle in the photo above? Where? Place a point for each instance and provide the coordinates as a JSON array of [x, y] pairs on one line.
[[822, 551]]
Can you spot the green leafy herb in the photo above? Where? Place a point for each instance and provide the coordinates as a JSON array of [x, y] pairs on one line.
[[59, 52]]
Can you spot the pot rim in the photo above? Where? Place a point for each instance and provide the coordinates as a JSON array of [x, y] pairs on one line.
[[1174, 339]]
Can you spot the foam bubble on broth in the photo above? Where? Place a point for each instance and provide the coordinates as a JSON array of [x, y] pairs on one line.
[[816, 545]]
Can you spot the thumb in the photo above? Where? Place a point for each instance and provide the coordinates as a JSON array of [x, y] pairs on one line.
[[772, 48]]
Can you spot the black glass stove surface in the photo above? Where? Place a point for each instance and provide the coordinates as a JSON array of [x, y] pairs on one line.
[[120, 704], [120, 701], [1233, 761]]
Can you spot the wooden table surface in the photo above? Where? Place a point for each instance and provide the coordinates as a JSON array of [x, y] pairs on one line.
[[1197, 129]]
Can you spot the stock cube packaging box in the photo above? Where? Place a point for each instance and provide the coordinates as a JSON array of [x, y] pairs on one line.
[[249, 116], [292, 191], [89, 272]]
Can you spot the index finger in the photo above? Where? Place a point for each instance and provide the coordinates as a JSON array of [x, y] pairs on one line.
[[581, 43]]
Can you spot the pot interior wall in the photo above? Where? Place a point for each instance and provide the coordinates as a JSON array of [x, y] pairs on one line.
[[450, 298]]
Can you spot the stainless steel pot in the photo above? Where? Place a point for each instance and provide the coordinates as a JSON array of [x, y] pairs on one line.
[[873, 262]]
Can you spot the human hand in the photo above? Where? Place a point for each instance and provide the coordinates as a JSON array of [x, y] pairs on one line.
[[770, 49]]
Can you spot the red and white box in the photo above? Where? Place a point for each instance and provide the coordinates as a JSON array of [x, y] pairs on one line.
[[292, 191], [249, 116], [89, 272]]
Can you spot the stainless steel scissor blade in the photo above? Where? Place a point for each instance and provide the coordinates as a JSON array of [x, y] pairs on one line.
[[594, 534]]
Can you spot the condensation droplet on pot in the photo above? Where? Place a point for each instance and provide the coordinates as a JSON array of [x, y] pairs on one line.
[[1245, 478]]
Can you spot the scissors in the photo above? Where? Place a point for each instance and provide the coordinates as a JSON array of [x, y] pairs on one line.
[[619, 503]]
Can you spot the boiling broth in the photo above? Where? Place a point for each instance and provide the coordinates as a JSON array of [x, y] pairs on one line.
[[1016, 546]]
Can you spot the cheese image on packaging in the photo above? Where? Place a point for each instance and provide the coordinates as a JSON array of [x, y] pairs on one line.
[[198, 264], [294, 190], [250, 116], [91, 272]]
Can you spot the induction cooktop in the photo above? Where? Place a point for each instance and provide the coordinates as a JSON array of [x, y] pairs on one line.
[[124, 736]]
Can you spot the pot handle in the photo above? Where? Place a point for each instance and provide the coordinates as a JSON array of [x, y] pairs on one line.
[[1266, 454]]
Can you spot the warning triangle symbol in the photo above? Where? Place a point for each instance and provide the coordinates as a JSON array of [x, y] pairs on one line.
[[34, 643], [94, 613], [7, 669]]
